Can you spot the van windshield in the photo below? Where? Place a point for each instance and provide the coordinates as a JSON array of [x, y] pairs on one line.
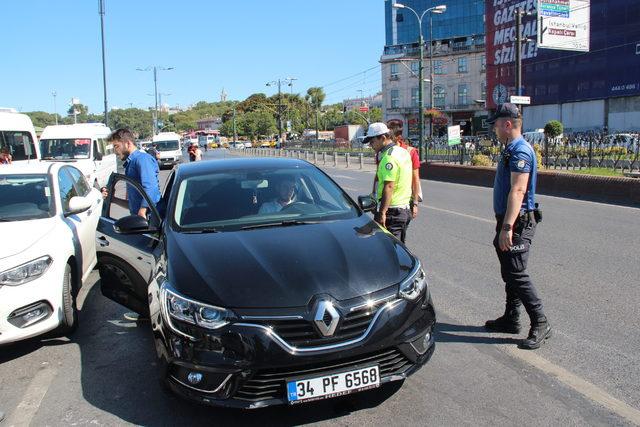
[[18, 145], [65, 149], [168, 145]]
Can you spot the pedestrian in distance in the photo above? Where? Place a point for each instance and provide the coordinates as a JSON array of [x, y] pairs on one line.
[[416, 186], [139, 166], [195, 153], [393, 174], [517, 215]]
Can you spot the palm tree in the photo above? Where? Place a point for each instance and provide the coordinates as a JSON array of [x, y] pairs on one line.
[[315, 96]]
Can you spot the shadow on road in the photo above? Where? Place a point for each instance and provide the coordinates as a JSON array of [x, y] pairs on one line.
[[119, 377], [445, 332], [22, 348]]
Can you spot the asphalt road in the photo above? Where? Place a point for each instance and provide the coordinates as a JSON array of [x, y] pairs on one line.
[[584, 261]]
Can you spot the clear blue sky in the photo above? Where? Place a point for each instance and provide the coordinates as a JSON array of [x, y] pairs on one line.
[[237, 45]]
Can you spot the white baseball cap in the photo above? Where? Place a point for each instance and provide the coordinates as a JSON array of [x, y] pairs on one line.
[[375, 129]]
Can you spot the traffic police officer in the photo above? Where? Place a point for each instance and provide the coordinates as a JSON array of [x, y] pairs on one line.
[[394, 181], [516, 215]]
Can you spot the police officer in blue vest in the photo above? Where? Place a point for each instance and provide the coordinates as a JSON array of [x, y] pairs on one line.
[[517, 215]]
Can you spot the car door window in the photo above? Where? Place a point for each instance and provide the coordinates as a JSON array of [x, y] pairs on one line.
[[67, 189], [79, 181]]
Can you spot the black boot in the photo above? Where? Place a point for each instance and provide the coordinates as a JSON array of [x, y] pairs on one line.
[[508, 323], [539, 332]]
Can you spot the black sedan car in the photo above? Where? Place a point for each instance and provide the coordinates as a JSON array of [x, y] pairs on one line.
[[265, 283]]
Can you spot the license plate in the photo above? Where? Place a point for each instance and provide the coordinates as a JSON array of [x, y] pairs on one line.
[[333, 385]]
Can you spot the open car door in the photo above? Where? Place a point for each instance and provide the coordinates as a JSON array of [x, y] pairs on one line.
[[127, 246]]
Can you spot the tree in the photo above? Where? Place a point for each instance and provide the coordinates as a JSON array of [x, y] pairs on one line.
[[80, 108], [139, 121], [552, 130], [42, 118], [316, 97]]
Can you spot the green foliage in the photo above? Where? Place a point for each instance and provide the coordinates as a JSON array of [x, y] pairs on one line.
[[43, 119], [480, 160], [538, 151], [553, 129], [316, 97], [139, 121]]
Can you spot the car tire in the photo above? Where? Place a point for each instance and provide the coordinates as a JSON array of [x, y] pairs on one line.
[[69, 322]]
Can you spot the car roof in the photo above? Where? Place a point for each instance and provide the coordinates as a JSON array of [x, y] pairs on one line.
[[35, 167], [15, 121], [80, 130], [186, 170]]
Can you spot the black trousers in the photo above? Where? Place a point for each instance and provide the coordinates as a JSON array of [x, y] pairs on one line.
[[397, 222], [513, 268]]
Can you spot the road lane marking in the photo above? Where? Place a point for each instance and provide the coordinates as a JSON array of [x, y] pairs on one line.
[[490, 221], [28, 407], [343, 176], [582, 386]]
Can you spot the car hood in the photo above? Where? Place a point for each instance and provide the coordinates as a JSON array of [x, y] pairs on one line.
[[286, 266], [18, 236]]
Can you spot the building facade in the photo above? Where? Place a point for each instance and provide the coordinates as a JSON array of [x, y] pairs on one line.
[[594, 90], [459, 66]]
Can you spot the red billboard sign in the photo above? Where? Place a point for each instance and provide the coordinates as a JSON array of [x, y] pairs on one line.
[[363, 109]]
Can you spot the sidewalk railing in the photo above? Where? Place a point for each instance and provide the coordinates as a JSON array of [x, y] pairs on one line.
[[320, 158]]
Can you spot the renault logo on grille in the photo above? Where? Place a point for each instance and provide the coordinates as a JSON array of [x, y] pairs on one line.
[[326, 318]]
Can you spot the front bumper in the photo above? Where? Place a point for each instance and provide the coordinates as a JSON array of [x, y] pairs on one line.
[[44, 292], [244, 366]]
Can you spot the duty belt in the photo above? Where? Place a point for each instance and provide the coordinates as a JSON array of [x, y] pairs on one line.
[[523, 216]]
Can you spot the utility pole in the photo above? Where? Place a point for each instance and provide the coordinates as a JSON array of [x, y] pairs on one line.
[[55, 108], [235, 135], [518, 52], [104, 66], [155, 69]]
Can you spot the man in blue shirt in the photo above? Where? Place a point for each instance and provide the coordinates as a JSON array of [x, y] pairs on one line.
[[139, 166], [516, 213]]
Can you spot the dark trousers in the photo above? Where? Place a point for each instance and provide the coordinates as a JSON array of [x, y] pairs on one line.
[[513, 268], [397, 222]]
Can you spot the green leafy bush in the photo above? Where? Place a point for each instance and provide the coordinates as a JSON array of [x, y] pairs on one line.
[[481, 160]]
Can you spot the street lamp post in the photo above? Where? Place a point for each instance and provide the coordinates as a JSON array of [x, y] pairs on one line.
[[155, 69], [55, 108], [104, 66], [439, 10], [289, 81]]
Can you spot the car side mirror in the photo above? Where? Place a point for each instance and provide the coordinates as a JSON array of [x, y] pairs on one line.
[[132, 224], [77, 205], [97, 156], [367, 203]]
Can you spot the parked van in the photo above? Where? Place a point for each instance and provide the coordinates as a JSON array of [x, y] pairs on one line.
[[17, 136], [85, 145], [168, 144]]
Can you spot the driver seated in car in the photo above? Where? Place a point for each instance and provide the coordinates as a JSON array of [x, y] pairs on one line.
[[286, 194]]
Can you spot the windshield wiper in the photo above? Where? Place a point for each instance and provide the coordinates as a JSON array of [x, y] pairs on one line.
[[284, 223], [202, 231]]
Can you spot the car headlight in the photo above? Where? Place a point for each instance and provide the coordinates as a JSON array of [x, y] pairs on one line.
[[411, 288], [26, 272], [193, 312]]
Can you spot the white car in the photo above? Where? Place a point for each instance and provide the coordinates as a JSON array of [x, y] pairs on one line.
[[48, 220]]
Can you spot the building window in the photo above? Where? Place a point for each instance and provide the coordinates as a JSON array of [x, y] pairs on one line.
[[395, 98], [415, 94], [438, 67], [394, 71], [462, 95], [438, 96], [415, 68], [462, 65]]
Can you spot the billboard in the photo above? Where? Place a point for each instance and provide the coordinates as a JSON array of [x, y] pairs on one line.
[[549, 76], [564, 24]]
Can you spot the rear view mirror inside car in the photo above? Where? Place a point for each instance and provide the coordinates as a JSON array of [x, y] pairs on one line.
[[252, 184]]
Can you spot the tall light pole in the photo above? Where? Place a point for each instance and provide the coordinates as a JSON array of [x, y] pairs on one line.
[[155, 69], [279, 82], [55, 108], [436, 9], [104, 65], [160, 95]]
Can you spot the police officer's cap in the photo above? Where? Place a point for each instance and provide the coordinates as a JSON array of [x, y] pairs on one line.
[[506, 110], [375, 129]]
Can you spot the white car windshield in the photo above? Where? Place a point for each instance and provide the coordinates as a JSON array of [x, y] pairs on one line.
[[168, 145], [25, 197], [237, 199], [65, 149]]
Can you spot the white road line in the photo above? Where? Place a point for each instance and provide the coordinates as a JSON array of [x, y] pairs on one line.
[[343, 176], [490, 221], [584, 387], [28, 407]]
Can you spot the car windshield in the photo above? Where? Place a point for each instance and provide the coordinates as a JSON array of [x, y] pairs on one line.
[[18, 145], [25, 197], [240, 199], [65, 149], [168, 145]]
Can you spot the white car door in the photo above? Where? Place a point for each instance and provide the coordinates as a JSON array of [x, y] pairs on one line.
[[73, 183]]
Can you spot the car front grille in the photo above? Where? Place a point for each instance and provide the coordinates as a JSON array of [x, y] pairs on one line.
[[301, 333], [271, 384]]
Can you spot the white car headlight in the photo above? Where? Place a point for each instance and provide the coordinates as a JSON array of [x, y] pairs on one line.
[[193, 312], [26, 272], [411, 288]]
